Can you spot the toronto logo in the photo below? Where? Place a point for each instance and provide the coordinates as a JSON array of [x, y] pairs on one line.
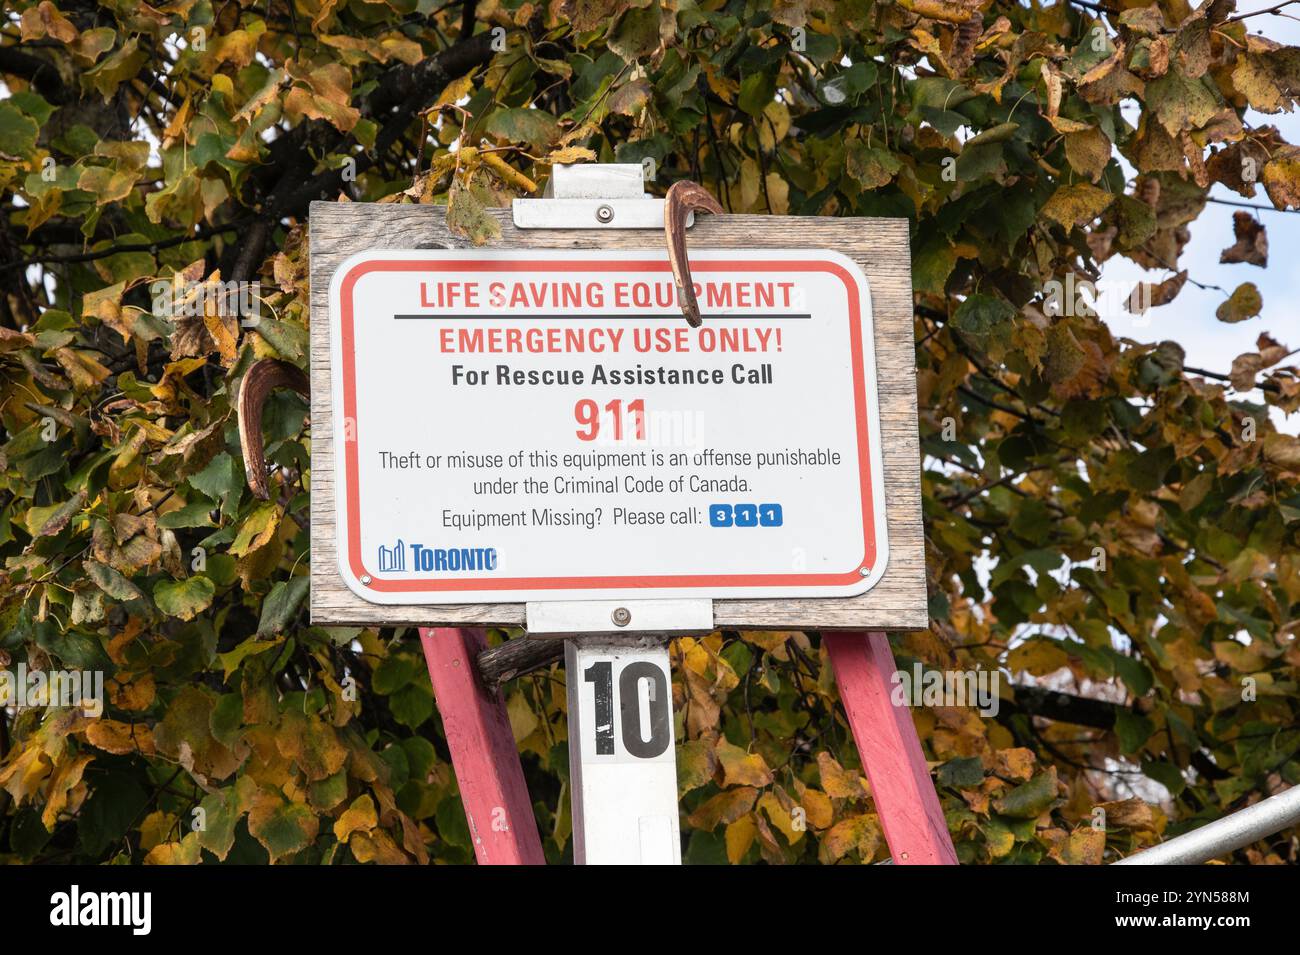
[[392, 559]]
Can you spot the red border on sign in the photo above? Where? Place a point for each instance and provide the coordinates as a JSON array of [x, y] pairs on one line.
[[470, 584]]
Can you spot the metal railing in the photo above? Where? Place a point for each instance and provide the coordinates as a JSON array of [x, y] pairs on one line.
[[1224, 835]]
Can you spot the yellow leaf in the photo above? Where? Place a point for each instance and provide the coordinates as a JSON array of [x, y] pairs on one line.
[[857, 832], [1130, 814], [180, 121], [399, 47], [1283, 450], [838, 782], [1282, 178], [85, 372], [740, 836], [133, 693], [784, 816], [1000, 841], [120, 738], [257, 530], [155, 829], [1038, 657], [224, 332], [817, 805], [378, 847], [571, 154], [1083, 847], [522, 718], [1017, 763], [65, 790], [1077, 205], [740, 768], [236, 47], [727, 806], [358, 817], [1088, 151], [311, 744], [43, 20], [696, 763], [186, 852], [1244, 302]]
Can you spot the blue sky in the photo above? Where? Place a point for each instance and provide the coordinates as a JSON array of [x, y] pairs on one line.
[[1189, 319]]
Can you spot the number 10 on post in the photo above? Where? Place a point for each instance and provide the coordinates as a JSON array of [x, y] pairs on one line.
[[622, 761]]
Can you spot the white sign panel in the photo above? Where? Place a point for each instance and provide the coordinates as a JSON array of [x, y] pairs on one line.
[[526, 425], [622, 761]]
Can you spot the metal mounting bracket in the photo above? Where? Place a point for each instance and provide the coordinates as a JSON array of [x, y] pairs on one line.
[[618, 619], [602, 195], [605, 196]]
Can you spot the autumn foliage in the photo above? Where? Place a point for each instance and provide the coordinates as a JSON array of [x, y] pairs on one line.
[[1101, 520]]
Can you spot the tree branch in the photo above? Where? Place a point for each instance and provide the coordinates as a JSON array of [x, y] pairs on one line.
[[38, 71], [1259, 13], [514, 658], [206, 232], [401, 94]]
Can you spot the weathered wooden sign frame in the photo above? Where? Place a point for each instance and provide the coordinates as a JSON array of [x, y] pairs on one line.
[[628, 813], [878, 246]]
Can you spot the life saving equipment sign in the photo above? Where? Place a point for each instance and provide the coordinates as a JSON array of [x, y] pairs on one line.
[[529, 425]]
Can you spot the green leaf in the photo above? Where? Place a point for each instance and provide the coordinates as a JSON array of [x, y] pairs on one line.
[[1133, 730], [871, 167], [18, 132], [328, 793], [637, 33], [756, 91], [962, 773], [283, 828], [1180, 102], [1031, 799], [194, 514], [532, 126], [220, 814], [932, 263], [986, 322], [232, 659], [451, 822], [281, 604], [1244, 302], [116, 801], [467, 216], [111, 582], [221, 478], [287, 338], [1135, 674], [227, 718], [412, 705], [393, 673], [184, 598]]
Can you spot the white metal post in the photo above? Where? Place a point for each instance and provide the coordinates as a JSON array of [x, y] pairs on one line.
[[622, 758]]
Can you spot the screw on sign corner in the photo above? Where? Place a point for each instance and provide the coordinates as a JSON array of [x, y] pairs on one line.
[[621, 616]]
